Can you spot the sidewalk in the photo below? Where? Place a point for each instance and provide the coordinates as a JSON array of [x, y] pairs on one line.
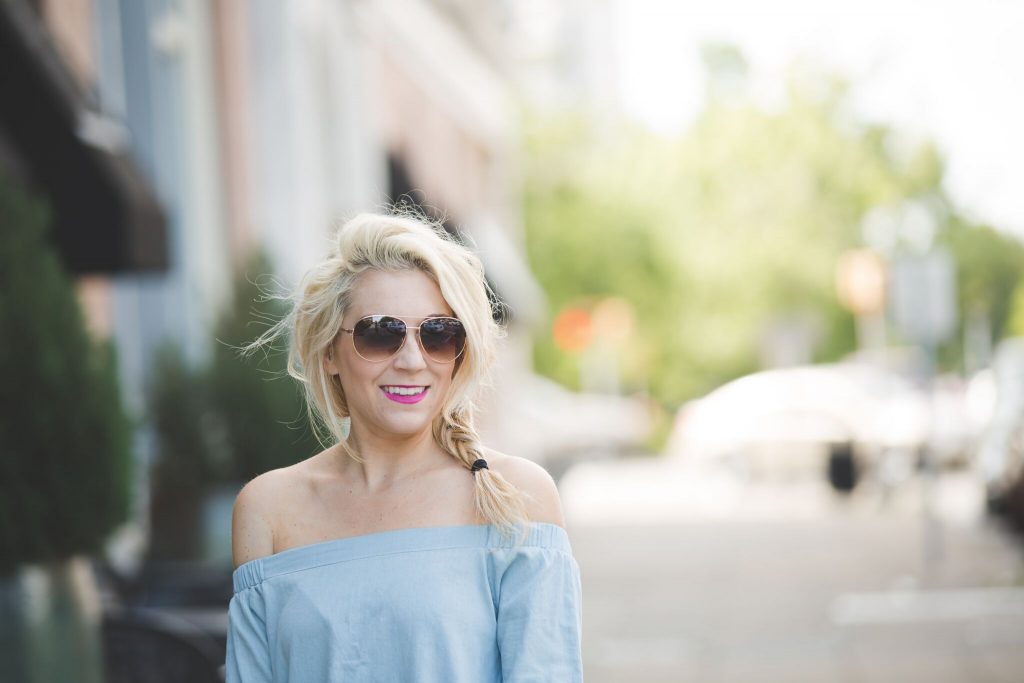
[[690, 578]]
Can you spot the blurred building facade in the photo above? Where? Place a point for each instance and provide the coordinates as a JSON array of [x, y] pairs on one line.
[[57, 143], [264, 124]]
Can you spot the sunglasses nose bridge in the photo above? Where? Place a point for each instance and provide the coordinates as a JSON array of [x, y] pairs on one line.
[[417, 344]]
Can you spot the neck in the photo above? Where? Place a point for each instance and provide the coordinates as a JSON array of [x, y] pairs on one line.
[[388, 459]]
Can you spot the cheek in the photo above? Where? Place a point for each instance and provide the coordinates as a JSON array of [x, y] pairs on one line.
[[353, 376], [457, 368], [448, 378], [355, 382]]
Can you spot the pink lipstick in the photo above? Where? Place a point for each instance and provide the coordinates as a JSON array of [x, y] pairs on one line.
[[401, 393]]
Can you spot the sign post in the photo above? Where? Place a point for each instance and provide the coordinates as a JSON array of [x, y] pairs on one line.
[[924, 306]]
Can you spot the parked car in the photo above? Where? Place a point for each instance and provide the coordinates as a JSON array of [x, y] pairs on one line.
[[1000, 457], [838, 419]]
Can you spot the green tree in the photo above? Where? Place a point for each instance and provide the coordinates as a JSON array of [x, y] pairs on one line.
[[990, 268], [64, 454], [187, 462], [260, 408], [64, 437], [1015, 326], [223, 422], [738, 223]]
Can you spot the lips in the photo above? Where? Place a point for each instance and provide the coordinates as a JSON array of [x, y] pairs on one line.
[[402, 393]]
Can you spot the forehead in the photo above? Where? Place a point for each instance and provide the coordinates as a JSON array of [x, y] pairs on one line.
[[408, 293]]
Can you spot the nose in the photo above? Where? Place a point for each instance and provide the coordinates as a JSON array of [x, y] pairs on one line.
[[410, 356]]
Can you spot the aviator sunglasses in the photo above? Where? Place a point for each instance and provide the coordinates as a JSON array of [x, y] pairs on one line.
[[377, 338]]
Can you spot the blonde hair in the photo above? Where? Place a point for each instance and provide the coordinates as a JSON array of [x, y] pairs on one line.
[[392, 243]]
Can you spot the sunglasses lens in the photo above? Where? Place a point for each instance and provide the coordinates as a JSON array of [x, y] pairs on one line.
[[378, 337], [443, 339]]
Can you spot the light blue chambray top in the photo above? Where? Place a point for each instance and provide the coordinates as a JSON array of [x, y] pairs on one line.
[[451, 604]]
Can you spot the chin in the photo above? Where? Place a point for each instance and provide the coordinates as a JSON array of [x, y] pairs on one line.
[[407, 427]]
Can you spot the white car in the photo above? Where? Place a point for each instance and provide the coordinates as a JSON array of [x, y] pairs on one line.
[[1000, 457], [835, 419]]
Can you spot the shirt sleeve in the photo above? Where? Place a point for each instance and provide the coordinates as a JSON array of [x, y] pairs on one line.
[[248, 652], [540, 618]]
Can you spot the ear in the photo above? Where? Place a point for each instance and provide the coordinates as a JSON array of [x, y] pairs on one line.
[[329, 364]]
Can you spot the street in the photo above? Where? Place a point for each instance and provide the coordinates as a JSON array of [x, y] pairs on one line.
[[693, 577]]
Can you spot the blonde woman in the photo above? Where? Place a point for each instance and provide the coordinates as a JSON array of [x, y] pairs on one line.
[[406, 551]]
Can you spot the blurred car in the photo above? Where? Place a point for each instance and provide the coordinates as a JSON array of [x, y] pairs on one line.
[[841, 419], [570, 427], [1000, 457]]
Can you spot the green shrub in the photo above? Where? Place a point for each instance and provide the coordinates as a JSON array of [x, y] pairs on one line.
[[64, 438], [261, 409], [185, 463], [224, 422]]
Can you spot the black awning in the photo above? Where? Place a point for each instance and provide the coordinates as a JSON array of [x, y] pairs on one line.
[[105, 218]]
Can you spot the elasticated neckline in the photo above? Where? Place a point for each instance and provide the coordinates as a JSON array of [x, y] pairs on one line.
[[254, 572]]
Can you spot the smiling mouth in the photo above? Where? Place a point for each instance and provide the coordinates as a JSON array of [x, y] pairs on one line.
[[405, 394]]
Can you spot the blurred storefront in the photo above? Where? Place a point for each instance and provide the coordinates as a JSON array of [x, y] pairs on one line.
[[186, 135], [58, 142]]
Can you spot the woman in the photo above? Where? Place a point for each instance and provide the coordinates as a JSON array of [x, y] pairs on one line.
[[406, 551]]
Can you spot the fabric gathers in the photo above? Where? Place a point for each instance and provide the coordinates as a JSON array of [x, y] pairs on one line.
[[481, 608]]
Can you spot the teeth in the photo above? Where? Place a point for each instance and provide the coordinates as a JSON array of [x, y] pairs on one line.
[[405, 391]]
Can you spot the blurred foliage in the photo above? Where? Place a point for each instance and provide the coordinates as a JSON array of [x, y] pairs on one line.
[[730, 229], [262, 410], [224, 422], [990, 268], [186, 463], [64, 437], [1015, 326]]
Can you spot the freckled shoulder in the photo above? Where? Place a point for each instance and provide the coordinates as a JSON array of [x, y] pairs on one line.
[[543, 503], [254, 513]]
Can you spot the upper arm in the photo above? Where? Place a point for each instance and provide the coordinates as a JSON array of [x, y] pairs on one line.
[[539, 607], [542, 501], [252, 534]]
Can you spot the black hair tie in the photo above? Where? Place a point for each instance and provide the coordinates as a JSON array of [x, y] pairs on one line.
[[480, 464]]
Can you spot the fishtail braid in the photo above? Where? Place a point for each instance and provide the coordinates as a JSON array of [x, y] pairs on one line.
[[496, 499]]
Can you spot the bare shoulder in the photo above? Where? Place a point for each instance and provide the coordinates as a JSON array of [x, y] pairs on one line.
[[543, 503], [252, 519]]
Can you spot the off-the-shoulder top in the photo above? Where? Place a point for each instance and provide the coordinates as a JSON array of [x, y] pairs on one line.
[[454, 604]]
